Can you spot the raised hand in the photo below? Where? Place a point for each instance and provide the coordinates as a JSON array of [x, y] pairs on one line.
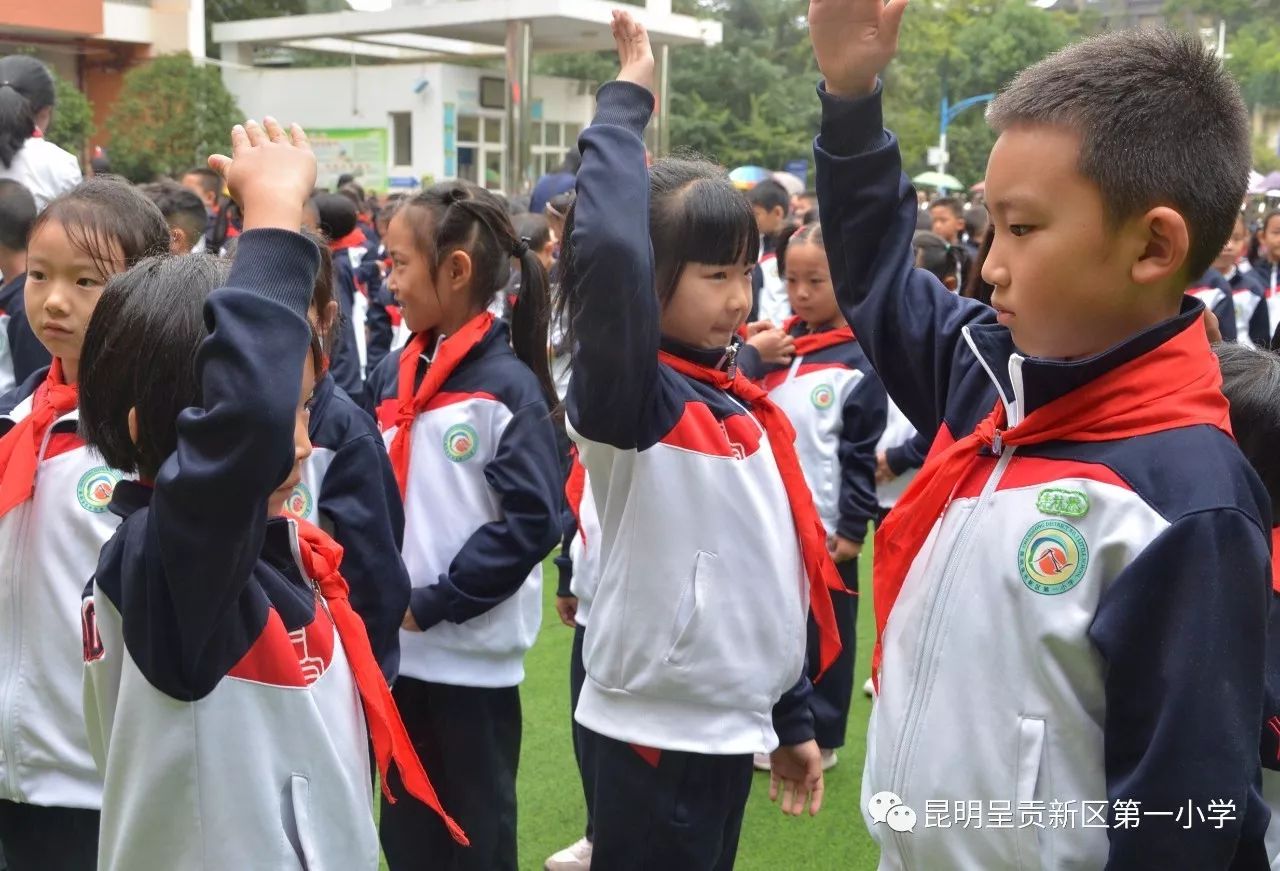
[[635, 54], [853, 41], [270, 173]]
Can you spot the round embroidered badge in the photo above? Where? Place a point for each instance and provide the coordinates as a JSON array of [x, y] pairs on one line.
[[461, 442], [95, 488], [822, 397], [300, 502], [1053, 557]]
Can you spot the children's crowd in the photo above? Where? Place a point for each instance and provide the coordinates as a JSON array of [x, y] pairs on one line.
[[280, 467]]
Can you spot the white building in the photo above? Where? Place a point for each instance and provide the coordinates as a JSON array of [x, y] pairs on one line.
[[393, 125]]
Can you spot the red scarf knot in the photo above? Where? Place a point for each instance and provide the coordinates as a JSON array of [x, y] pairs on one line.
[[20, 446]]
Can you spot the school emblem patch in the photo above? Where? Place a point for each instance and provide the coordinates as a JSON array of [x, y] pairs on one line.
[[1064, 503], [822, 397], [95, 488], [1053, 557], [461, 442], [300, 502]]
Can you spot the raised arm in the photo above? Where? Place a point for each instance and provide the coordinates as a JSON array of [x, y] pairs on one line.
[[209, 511], [610, 267], [908, 323]]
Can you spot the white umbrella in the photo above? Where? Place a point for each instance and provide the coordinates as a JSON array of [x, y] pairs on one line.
[[938, 180]]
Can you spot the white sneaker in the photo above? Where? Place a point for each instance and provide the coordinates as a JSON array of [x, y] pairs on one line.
[[575, 857], [829, 759], [869, 688], [761, 762]]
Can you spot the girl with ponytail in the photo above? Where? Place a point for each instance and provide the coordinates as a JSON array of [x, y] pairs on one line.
[[465, 412], [26, 108]]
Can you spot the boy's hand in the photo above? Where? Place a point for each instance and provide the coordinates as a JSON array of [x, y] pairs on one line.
[[853, 42], [884, 474], [796, 772], [844, 549], [567, 608], [775, 346], [635, 55], [270, 173]]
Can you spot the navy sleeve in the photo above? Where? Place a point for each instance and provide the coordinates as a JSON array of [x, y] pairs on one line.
[[908, 455], [906, 321], [359, 496], [378, 325], [750, 363], [28, 354], [1183, 633], [527, 476], [865, 410], [208, 514], [564, 562], [615, 361], [792, 716], [344, 356]]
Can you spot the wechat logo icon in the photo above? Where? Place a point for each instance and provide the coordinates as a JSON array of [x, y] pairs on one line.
[[887, 808]]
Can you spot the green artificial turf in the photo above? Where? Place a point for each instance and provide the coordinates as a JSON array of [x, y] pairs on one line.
[[550, 792]]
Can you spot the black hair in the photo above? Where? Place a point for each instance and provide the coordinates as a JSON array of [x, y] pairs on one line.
[[695, 216], [26, 87], [931, 254], [321, 295], [975, 287], [345, 179], [1251, 383], [1133, 96], [100, 165], [140, 352], [209, 180], [796, 234], [1255, 239], [337, 215], [461, 216], [559, 205], [535, 228], [769, 195], [17, 214], [180, 206], [572, 160], [103, 209], [951, 204], [976, 220]]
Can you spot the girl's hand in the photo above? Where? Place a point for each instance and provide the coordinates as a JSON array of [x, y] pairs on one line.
[[758, 327], [270, 173], [409, 622], [853, 41], [844, 549], [635, 55], [567, 608], [884, 474], [796, 773], [774, 345]]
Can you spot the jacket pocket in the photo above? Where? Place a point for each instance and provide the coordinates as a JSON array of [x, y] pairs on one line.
[[1031, 734], [684, 631], [295, 816]]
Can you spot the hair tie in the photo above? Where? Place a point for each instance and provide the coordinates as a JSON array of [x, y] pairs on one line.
[[521, 248]]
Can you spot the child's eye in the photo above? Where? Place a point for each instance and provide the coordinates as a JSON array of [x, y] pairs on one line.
[[719, 276], [35, 275], [88, 282], [1019, 229]]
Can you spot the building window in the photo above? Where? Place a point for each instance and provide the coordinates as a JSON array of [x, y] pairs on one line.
[[548, 142], [401, 139], [480, 150]]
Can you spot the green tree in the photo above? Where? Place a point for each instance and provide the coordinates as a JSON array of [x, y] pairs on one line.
[[72, 118], [170, 116]]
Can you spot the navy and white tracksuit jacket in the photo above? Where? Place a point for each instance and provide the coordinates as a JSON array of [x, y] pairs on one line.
[[698, 625], [1218, 296], [48, 548], [349, 490], [20, 351], [1249, 296], [1142, 679], [1268, 274], [838, 406], [482, 509], [220, 704], [578, 562]]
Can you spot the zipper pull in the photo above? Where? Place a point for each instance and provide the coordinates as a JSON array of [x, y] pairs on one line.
[[997, 443], [731, 359]]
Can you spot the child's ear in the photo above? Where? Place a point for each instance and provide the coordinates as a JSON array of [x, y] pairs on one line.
[[329, 316], [177, 240], [1165, 241], [133, 425], [458, 270]]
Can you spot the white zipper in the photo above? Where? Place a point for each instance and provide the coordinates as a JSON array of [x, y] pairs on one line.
[[936, 609]]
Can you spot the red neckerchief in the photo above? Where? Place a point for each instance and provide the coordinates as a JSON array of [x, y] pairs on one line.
[[410, 403], [321, 557], [575, 487], [354, 239], [20, 446], [1175, 385], [811, 343], [818, 566]]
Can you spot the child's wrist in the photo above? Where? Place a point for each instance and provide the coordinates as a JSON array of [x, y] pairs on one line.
[[272, 213], [854, 90]]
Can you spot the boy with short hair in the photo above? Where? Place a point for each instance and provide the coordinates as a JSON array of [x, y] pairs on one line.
[[183, 211], [770, 202], [1071, 597], [21, 353]]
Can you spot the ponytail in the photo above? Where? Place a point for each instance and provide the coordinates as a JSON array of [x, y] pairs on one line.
[[26, 87], [530, 317]]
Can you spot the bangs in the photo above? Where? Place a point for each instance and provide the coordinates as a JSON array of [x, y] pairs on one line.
[[108, 220], [712, 223]]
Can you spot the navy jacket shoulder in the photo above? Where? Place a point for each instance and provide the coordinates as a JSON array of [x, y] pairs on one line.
[[25, 349]]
